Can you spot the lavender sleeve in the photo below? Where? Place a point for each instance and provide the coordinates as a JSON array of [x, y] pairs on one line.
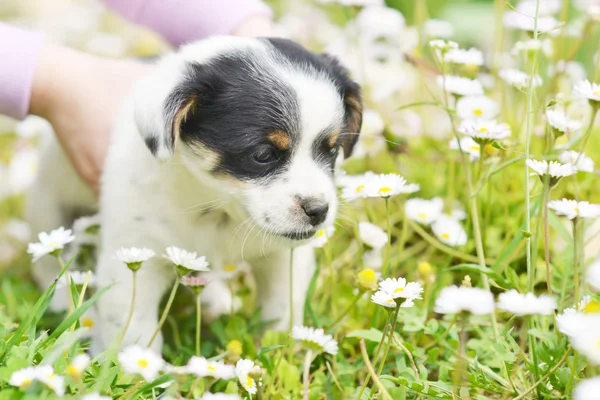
[[19, 50], [181, 21]]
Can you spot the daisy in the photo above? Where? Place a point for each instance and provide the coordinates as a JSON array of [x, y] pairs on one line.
[[50, 243], [573, 209], [560, 123], [580, 160], [399, 288], [353, 186], [586, 340], [464, 57], [372, 235], [587, 389], [532, 45], [526, 304], [449, 231], [388, 185], [140, 360], [186, 261], [322, 236], [460, 86], [592, 275], [88, 320], [424, 211], [516, 20], [88, 224], [76, 368], [95, 396], [315, 339], [22, 378], [383, 299], [574, 319], [367, 279], [373, 259], [477, 107], [202, 367], [243, 369], [234, 347], [468, 146], [517, 78], [33, 126], [133, 256], [441, 47], [195, 283], [554, 169], [54, 382], [484, 132], [588, 90], [78, 278], [453, 300]]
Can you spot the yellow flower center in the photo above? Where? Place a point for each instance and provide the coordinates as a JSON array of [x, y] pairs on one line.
[[87, 322], [478, 112], [593, 307], [229, 268], [422, 216], [424, 268], [211, 368], [483, 129], [234, 347], [26, 382], [360, 188], [390, 301], [249, 382], [475, 147], [320, 233], [73, 371], [143, 363], [596, 92], [489, 149], [385, 190], [367, 278], [399, 290], [446, 235]]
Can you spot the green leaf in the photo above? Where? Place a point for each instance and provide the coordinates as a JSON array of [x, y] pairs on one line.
[[420, 103], [527, 234], [497, 145], [149, 386], [373, 335], [550, 104]]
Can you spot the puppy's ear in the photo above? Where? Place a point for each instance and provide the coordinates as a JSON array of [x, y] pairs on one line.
[[160, 107], [352, 102]]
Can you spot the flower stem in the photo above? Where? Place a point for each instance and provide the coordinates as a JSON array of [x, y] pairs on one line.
[[372, 373], [576, 259], [166, 310], [546, 239], [306, 373], [368, 378], [346, 311], [131, 308], [461, 361], [388, 246], [391, 332], [198, 323], [587, 134], [534, 358]]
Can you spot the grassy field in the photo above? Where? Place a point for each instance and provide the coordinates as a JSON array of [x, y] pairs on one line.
[[454, 346]]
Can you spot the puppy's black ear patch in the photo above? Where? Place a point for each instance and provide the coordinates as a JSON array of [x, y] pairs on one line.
[[353, 107]]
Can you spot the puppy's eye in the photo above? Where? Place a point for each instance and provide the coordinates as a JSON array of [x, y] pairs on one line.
[[266, 155], [333, 150]]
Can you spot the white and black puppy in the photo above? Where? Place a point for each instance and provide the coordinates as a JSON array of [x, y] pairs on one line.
[[226, 143]]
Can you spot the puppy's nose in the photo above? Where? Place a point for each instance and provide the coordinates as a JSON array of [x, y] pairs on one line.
[[315, 209]]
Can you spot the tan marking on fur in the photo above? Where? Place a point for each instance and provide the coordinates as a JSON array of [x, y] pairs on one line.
[[333, 138], [280, 139], [181, 116]]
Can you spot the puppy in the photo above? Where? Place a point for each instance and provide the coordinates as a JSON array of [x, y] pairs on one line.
[[226, 148]]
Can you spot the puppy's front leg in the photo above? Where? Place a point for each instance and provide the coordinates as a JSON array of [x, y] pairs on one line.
[[113, 307], [273, 281]]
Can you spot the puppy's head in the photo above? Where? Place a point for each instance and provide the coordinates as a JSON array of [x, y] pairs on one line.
[[264, 118]]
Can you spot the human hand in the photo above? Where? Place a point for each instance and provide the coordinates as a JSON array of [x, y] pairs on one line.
[[80, 95]]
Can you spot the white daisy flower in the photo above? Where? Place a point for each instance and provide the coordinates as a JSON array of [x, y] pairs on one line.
[[202, 367], [315, 339], [186, 261], [353, 186], [388, 185], [140, 360], [560, 123], [372, 235], [532, 45], [133, 256], [580, 160], [383, 299], [89, 320], [555, 169], [483, 131], [322, 236], [545, 24], [518, 78], [373, 259], [23, 169], [54, 382], [50, 243], [588, 90], [88, 224], [17, 229], [592, 275], [437, 28], [33, 126], [449, 231], [453, 300], [23, 378], [587, 389], [477, 107], [424, 211], [95, 396], [546, 7], [464, 57], [573, 209], [219, 396], [243, 369], [586, 340], [442, 46], [526, 304], [573, 320], [468, 146], [460, 86], [399, 288], [78, 365], [78, 278]]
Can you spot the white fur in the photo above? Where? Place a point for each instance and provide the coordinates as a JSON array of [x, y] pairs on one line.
[[147, 203]]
